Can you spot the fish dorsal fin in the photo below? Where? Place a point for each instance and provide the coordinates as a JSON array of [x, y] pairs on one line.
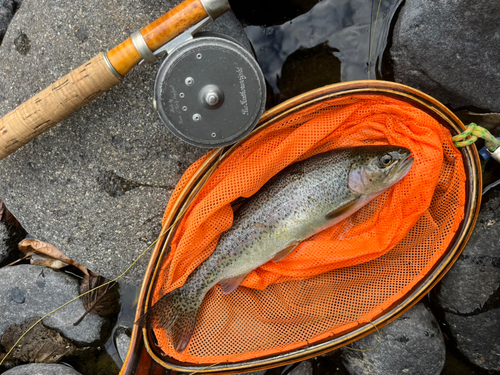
[[341, 210], [287, 250], [230, 285]]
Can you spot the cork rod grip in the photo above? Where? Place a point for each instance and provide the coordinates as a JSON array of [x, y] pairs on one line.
[[54, 104]]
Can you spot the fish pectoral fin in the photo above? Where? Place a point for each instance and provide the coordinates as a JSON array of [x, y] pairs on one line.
[[287, 250], [231, 284], [341, 210]]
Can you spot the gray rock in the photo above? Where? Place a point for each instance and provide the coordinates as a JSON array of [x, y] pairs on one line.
[[469, 294], [411, 344], [97, 184], [475, 277], [4, 236], [32, 291], [262, 372], [450, 50], [122, 342], [477, 337], [7, 10], [42, 369], [246, 373], [11, 233], [304, 368], [10, 236], [472, 279]]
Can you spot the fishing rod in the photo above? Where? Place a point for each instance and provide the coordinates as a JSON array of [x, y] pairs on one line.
[[200, 100]]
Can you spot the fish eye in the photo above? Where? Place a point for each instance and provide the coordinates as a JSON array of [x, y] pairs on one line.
[[385, 160]]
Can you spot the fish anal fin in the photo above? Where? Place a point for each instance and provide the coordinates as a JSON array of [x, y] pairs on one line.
[[231, 284], [341, 210], [287, 250]]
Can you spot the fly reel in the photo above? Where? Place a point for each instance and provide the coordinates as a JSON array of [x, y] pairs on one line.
[[210, 91]]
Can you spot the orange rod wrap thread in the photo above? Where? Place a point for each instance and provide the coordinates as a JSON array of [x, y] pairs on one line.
[[125, 56], [54, 104]]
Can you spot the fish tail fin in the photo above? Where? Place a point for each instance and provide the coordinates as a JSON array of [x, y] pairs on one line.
[[176, 313]]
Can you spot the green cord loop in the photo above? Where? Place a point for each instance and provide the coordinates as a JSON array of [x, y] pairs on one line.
[[472, 133]]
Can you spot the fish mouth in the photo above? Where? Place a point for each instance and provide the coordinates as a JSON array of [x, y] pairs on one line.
[[402, 170], [405, 167], [408, 162]]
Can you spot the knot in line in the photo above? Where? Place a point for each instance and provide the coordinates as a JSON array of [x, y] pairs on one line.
[[472, 133]]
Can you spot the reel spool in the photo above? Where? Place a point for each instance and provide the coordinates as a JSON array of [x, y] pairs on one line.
[[210, 91]]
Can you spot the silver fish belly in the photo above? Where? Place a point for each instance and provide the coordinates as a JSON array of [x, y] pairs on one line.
[[292, 206]]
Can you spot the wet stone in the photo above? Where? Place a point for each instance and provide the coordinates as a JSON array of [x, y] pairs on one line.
[[450, 50], [10, 236], [411, 344], [82, 34], [22, 44], [122, 342], [475, 276], [21, 298], [7, 10], [304, 368], [477, 337], [42, 369], [262, 372], [468, 296], [4, 234], [17, 295], [96, 185]]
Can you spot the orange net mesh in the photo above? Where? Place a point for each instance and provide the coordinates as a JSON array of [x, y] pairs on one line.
[[342, 277]]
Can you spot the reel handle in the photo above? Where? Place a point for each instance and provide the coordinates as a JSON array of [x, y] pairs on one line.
[[98, 75]]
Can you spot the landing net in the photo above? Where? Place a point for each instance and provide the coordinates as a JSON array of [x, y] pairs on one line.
[[342, 277]]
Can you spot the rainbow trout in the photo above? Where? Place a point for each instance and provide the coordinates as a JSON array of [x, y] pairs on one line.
[[303, 199]]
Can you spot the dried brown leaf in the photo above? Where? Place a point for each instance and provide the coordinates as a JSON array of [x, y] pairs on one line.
[[47, 250], [103, 301], [40, 345], [44, 260]]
